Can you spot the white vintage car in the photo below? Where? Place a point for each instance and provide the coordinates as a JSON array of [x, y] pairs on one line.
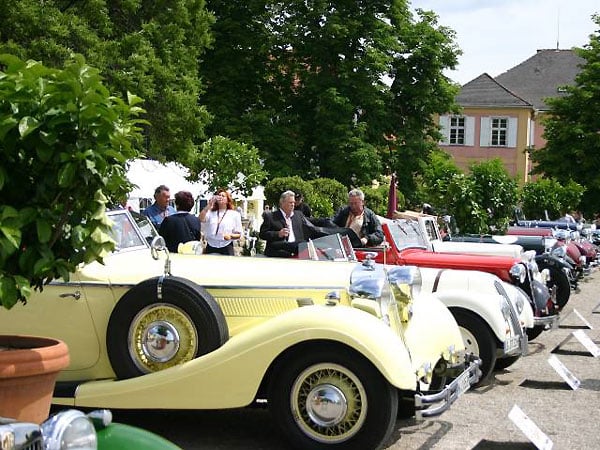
[[492, 315], [331, 349]]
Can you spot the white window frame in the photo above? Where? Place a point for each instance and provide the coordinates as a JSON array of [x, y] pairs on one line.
[[469, 130], [485, 137]]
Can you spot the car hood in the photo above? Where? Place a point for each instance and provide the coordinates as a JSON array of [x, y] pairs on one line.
[[216, 270], [425, 258]]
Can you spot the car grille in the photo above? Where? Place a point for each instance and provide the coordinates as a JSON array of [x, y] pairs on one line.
[[21, 436], [514, 316]]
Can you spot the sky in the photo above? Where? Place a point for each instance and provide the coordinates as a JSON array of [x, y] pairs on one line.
[[496, 35]]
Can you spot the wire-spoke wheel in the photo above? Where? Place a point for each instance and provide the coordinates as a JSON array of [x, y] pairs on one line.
[[332, 399]]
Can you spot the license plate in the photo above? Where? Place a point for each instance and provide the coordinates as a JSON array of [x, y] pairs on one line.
[[511, 344], [463, 383]]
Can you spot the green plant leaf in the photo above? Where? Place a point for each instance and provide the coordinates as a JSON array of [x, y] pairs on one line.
[[27, 124], [44, 230]]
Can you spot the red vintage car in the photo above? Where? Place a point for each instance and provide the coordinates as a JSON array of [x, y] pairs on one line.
[[405, 244]]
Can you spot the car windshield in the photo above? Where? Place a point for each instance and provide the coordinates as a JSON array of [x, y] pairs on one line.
[[125, 232], [327, 248], [406, 234]]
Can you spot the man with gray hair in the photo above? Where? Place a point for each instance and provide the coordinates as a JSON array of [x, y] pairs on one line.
[[360, 219], [284, 228]]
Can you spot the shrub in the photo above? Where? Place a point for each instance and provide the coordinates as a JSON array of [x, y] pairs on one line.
[[64, 143]]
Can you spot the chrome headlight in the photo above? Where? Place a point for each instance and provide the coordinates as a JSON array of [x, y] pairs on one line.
[[518, 272], [406, 275], [69, 430]]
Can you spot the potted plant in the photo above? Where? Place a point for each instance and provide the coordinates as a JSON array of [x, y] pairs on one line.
[[64, 144]]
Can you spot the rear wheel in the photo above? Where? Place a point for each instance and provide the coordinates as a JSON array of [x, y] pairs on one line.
[[332, 398], [478, 339]]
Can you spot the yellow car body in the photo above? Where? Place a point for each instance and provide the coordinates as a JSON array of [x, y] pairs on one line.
[[272, 313]]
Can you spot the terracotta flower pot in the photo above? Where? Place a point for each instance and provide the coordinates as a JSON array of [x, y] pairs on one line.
[[29, 366]]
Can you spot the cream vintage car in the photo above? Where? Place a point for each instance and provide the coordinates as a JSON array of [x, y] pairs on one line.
[[331, 349], [491, 314]]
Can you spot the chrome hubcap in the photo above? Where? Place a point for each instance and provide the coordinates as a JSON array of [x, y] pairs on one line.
[[326, 405], [160, 341], [329, 403], [160, 336]]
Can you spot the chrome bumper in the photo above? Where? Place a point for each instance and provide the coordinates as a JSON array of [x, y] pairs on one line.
[[431, 405], [549, 322]]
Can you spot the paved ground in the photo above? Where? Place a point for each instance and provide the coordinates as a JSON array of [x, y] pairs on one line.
[[478, 420]]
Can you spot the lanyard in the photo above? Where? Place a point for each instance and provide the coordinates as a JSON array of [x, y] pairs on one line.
[[220, 219]]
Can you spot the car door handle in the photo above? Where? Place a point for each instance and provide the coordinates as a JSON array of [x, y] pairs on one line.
[[76, 295]]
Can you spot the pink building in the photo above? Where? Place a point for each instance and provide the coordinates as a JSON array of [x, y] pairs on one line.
[[501, 116]]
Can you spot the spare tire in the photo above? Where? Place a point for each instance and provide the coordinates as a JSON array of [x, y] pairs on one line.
[[163, 322]]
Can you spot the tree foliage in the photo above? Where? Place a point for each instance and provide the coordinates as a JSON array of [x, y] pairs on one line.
[[481, 201], [547, 198], [341, 90], [571, 130], [229, 164], [149, 48], [64, 142]]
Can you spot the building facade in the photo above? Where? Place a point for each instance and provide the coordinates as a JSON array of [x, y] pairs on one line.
[[502, 117]]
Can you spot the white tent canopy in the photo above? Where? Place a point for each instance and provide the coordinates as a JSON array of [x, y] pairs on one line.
[[147, 174]]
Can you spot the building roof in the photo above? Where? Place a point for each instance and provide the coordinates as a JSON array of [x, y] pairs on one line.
[[541, 76], [484, 91]]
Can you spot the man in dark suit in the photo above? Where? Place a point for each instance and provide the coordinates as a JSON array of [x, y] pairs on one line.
[[285, 228]]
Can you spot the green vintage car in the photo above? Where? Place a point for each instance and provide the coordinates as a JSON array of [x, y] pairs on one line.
[[333, 350], [72, 429]]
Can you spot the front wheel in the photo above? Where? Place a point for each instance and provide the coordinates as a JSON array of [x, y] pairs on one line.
[[478, 339], [332, 398]]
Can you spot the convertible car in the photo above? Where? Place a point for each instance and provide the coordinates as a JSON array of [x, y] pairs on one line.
[[333, 350], [492, 315], [407, 245]]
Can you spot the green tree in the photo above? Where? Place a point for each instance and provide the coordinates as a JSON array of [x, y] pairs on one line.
[[435, 179], [328, 196], [341, 90], [275, 187], [64, 143], [230, 164], [571, 130], [540, 197], [496, 193], [151, 49]]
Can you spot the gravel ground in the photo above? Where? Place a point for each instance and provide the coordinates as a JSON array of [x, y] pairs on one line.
[[478, 420]]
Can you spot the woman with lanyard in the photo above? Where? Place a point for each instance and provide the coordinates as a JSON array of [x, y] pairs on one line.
[[222, 223]]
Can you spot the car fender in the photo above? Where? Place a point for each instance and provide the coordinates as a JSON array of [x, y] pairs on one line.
[[487, 307], [515, 292], [118, 436], [431, 330], [473, 281], [238, 367]]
